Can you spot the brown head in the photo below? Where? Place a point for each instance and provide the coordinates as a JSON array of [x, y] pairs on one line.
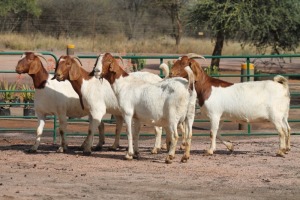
[[177, 69], [31, 64], [203, 82], [69, 68], [111, 70]]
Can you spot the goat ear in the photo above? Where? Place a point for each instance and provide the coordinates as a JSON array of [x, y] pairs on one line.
[[74, 72], [34, 66], [196, 69], [113, 66]]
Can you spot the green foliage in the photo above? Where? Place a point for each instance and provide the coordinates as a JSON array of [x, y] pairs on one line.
[[276, 25], [263, 24], [27, 93], [214, 70], [138, 64], [8, 94], [19, 7]]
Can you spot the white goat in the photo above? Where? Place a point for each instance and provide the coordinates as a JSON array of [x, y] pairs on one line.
[[96, 96], [52, 98], [150, 78], [166, 103], [243, 102]]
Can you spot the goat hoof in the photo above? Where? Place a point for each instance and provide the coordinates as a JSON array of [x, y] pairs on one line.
[[182, 147], [31, 151], [164, 146], [155, 150], [61, 150], [209, 152], [230, 147], [184, 158], [97, 148], [137, 156], [87, 153], [280, 153], [128, 157], [169, 159], [113, 148]]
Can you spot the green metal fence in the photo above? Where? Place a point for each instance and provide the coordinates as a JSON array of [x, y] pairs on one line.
[[161, 59]]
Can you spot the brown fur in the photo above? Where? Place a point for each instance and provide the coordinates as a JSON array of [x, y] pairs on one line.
[[32, 65], [111, 70], [68, 68], [203, 82]]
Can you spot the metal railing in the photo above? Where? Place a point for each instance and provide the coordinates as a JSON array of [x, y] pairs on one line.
[[161, 59]]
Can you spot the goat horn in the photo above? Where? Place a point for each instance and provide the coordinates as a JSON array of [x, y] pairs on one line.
[[78, 60], [121, 60], [41, 56], [54, 77], [193, 55]]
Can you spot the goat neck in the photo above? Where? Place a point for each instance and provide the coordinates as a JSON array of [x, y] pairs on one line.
[[203, 82], [69, 69], [77, 82]]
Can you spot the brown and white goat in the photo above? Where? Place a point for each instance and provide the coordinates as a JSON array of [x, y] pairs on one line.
[[147, 77], [243, 102], [96, 96], [51, 98], [166, 103]]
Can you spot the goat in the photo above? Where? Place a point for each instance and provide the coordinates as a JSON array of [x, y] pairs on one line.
[[243, 102], [150, 78], [166, 71], [166, 103], [95, 96], [52, 98]]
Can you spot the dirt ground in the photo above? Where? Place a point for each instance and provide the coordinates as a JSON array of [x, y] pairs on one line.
[[252, 171]]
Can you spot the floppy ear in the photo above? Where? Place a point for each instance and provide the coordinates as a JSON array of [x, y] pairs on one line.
[[113, 67], [195, 68], [34, 66], [74, 72]]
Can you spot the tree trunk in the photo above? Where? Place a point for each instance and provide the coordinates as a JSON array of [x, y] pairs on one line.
[[218, 49], [179, 30]]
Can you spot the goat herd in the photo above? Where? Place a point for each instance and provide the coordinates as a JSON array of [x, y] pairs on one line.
[[145, 98]]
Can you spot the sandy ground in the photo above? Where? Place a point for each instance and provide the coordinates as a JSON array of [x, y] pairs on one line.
[[252, 171]]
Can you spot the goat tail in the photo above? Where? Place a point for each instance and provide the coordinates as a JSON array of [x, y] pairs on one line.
[[191, 77], [165, 69], [280, 79]]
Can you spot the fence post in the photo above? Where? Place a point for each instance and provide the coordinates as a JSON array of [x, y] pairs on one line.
[[70, 49], [246, 69]]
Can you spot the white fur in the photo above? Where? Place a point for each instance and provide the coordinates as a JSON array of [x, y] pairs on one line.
[[251, 102], [56, 99], [146, 77], [99, 98], [165, 104]]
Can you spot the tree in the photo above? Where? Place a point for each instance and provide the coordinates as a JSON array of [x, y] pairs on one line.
[[272, 23], [14, 13], [276, 24], [173, 9], [133, 12]]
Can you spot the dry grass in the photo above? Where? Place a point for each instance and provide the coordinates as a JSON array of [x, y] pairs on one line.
[[118, 43]]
